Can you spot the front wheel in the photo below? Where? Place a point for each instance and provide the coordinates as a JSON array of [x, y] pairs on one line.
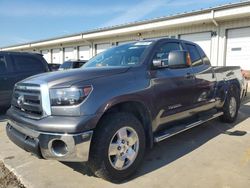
[[231, 106], [118, 147]]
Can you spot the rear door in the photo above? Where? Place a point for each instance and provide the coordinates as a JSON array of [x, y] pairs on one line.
[[5, 85], [173, 88], [205, 80]]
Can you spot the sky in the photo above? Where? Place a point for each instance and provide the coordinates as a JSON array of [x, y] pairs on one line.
[[23, 21]]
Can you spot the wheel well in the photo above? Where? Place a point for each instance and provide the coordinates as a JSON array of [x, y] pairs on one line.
[[236, 88], [140, 112], [234, 84]]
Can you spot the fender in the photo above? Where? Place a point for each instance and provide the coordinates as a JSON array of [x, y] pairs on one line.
[[223, 88], [132, 98]]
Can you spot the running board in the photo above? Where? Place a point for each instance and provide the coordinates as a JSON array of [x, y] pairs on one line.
[[181, 128]]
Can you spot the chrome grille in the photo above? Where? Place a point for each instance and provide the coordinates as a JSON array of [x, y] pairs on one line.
[[27, 100]]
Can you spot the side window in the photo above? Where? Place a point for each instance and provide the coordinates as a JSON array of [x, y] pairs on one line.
[[194, 55], [81, 64], [163, 51], [204, 56], [27, 63], [3, 65], [76, 65]]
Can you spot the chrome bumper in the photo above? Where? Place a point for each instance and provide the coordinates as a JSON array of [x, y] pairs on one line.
[[61, 147]]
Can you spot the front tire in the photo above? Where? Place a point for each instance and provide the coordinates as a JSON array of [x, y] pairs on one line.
[[231, 106], [118, 147]]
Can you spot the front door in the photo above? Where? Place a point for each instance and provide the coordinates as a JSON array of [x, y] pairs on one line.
[[173, 88]]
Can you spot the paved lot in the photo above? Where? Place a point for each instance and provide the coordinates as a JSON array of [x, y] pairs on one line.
[[212, 155], [8, 179]]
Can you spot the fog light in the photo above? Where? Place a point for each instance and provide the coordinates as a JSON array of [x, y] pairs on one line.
[[59, 148]]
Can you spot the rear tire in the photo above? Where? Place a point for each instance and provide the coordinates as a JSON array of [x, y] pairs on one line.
[[118, 147], [231, 106]]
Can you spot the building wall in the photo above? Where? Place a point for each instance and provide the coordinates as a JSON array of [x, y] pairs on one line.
[[218, 40]]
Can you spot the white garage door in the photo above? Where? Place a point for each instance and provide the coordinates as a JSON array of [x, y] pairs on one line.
[[102, 47], [84, 53], [69, 54], [46, 56], [124, 42], [202, 39], [238, 48], [56, 56]]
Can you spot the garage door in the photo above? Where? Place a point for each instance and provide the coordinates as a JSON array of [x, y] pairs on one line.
[[56, 56], [238, 48], [46, 55], [84, 53], [202, 39], [124, 42], [69, 54], [102, 47]]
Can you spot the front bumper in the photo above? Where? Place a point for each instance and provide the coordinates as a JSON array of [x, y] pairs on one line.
[[58, 146]]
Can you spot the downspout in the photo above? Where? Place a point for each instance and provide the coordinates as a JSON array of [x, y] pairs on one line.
[[213, 20], [218, 35], [90, 43]]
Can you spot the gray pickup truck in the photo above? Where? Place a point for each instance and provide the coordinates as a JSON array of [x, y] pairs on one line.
[[121, 102]]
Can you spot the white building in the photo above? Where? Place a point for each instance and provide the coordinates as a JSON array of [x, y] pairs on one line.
[[223, 32]]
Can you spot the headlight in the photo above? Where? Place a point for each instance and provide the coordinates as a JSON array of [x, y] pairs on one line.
[[69, 96]]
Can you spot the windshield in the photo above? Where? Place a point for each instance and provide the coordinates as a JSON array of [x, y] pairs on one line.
[[124, 55]]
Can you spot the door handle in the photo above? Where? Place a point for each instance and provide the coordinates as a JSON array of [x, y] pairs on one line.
[[189, 76]]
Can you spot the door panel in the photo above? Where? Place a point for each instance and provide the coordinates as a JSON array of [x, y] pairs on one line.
[[5, 84], [69, 54], [205, 85], [204, 77], [56, 56], [173, 88], [173, 91], [84, 53], [124, 42], [238, 48]]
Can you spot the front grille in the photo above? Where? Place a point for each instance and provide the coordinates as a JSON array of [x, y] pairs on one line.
[[27, 100]]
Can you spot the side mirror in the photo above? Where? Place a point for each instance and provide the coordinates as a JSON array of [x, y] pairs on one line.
[[179, 59]]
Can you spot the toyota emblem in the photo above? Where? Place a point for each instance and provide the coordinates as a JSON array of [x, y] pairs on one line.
[[20, 100]]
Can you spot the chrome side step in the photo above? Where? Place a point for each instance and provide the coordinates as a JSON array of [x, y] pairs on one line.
[[176, 130]]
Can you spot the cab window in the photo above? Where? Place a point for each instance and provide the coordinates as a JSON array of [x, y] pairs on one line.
[[163, 51], [194, 55], [78, 64], [204, 57], [27, 63]]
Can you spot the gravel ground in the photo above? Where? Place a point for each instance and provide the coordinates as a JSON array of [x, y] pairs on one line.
[[8, 179]]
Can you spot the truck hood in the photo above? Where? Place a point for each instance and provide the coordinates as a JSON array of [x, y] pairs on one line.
[[69, 77]]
